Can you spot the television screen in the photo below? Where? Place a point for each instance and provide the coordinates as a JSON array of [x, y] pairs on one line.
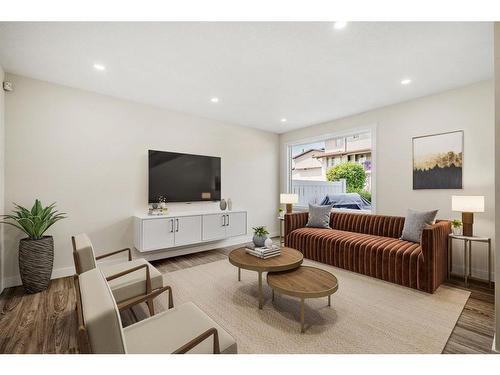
[[183, 177]]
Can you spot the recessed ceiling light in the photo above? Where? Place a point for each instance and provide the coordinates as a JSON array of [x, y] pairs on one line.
[[214, 100], [339, 25], [283, 119], [99, 67], [406, 81]]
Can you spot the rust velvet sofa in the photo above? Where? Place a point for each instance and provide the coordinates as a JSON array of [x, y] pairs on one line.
[[370, 245]]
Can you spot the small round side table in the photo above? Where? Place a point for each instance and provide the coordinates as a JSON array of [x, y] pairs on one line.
[[282, 235], [468, 254]]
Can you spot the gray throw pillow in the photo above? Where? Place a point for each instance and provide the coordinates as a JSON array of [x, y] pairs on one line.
[[415, 222], [319, 216]]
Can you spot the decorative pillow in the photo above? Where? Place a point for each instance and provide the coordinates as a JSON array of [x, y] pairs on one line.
[[415, 222], [319, 216]]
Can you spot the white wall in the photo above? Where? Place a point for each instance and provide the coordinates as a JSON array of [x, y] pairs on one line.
[[470, 109], [88, 152], [2, 179]]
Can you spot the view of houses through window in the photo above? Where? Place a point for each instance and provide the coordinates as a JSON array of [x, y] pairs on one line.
[[334, 171]]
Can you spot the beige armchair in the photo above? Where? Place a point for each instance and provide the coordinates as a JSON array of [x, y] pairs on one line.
[[132, 282], [182, 329]]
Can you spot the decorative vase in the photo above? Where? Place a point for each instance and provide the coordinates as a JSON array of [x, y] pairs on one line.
[[222, 204], [163, 205], [457, 231], [36, 258], [229, 204], [268, 243], [259, 241]]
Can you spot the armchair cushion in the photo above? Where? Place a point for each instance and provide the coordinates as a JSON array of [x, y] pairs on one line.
[[100, 314], [132, 284], [84, 253], [167, 331]]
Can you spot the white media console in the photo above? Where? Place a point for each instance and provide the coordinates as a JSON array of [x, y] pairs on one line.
[[186, 228]]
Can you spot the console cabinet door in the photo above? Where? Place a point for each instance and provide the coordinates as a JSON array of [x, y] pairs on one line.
[[236, 224], [157, 234], [187, 230], [213, 227]]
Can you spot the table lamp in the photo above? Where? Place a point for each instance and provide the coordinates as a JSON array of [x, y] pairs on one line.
[[289, 200], [467, 204]]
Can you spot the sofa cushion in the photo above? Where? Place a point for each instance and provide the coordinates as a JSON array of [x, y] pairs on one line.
[[386, 258], [415, 222], [132, 284], [378, 225], [169, 330], [319, 216]]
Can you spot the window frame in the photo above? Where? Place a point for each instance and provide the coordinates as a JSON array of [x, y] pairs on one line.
[[372, 128]]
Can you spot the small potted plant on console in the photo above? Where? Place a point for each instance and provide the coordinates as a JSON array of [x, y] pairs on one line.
[[162, 204]]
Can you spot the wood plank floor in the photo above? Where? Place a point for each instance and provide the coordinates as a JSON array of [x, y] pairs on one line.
[[46, 322], [475, 328]]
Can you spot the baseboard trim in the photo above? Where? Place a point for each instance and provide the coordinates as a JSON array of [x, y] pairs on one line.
[[57, 273], [493, 347], [476, 272]]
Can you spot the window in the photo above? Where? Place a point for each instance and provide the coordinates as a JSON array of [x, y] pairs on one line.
[[309, 163]]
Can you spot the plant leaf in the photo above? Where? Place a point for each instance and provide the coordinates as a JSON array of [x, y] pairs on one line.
[[34, 222]]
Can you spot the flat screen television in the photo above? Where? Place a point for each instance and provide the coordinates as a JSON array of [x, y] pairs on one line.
[[183, 177]]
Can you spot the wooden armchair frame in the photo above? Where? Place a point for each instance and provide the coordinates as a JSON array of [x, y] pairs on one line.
[[84, 343], [198, 340], [78, 267], [116, 252], [149, 294]]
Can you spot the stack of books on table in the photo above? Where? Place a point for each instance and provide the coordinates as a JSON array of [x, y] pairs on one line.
[[263, 252]]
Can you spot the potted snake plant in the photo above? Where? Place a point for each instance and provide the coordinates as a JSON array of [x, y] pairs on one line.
[[36, 252]]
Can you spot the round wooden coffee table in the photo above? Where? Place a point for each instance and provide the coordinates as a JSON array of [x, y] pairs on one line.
[[304, 282], [289, 259]]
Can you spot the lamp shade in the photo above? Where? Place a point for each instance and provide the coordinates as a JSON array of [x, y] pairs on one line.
[[289, 198], [467, 203]]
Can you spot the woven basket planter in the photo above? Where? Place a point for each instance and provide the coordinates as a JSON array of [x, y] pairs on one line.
[[36, 258]]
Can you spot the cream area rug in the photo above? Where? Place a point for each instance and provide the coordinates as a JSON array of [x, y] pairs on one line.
[[367, 315]]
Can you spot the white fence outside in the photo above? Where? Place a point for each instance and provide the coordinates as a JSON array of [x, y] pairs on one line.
[[315, 191]]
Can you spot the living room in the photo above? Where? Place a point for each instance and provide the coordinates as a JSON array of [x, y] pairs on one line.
[[270, 187]]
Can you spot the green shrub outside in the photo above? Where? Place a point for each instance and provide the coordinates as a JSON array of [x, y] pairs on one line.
[[353, 173]]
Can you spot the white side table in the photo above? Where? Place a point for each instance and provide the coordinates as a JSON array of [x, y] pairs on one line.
[[468, 254]]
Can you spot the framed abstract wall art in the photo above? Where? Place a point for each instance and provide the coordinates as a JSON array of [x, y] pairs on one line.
[[438, 161]]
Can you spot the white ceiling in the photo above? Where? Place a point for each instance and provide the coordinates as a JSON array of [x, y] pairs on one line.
[[261, 72]]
